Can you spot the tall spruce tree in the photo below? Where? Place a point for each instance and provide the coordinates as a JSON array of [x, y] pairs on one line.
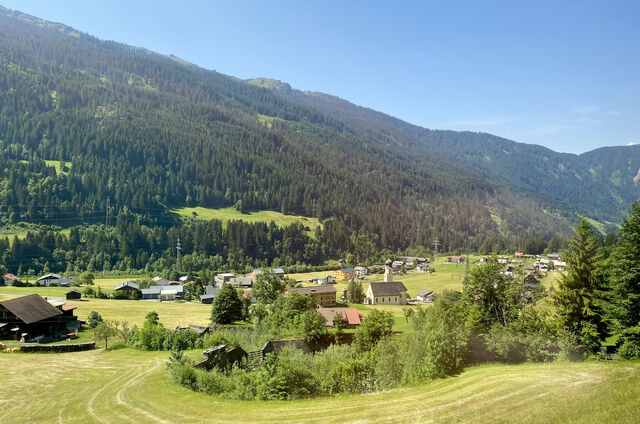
[[624, 277], [579, 295]]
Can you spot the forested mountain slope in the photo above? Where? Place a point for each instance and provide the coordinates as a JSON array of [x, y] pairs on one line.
[[146, 133], [599, 183]]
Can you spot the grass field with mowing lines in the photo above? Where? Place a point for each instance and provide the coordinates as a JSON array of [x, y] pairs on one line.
[[133, 386]]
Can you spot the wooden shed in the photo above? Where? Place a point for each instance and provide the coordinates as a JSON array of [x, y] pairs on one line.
[[73, 294]]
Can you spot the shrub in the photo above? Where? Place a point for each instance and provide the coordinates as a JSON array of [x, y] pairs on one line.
[[94, 319]]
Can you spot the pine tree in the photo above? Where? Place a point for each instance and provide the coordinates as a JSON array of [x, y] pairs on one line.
[[579, 296], [624, 277]]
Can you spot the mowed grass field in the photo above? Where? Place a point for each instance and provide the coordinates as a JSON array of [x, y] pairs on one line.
[[230, 214], [134, 386], [172, 314]]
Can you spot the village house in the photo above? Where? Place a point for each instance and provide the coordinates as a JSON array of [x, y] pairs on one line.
[[32, 317], [55, 280], [209, 295], [344, 273], [220, 279], [163, 293], [9, 279], [361, 271], [240, 282], [127, 287], [322, 295], [457, 259], [350, 315], [503, 260], [278, 272], [389, 293]]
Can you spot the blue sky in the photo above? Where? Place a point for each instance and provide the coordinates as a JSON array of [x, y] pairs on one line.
[[563, 74]]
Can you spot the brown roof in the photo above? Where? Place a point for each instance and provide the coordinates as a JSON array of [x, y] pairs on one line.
[[31, 308], [68, 306], [9, 276], [387, 289], [351, 315], [313, 290]]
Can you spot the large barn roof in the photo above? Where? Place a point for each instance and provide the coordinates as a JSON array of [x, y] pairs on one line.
[[31, 308]]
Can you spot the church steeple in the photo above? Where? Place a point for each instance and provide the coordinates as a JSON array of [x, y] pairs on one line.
[[388, 273]]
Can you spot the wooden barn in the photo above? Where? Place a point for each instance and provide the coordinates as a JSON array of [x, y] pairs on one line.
[[30, 316]]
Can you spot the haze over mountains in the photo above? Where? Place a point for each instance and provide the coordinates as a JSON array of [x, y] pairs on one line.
[[149, 133]]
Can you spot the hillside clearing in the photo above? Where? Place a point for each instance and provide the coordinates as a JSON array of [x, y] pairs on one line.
[[230, 214], [133, 386]]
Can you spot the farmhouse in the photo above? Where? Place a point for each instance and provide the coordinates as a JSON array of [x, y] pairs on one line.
[[31, 316], [209, 295], [163, 293], [47, 280], [127, 287], [350, 315], [457, 259], [345, 273], [361, 271], [390, 293], [322, 295], [9, 279]]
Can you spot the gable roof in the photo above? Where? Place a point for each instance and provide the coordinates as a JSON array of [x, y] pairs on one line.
[[12, 277], [347, 269], [276, 346], [423, 293], [127, 284], [351, 315], [211, 291], [50, 276], [394, 288], [31, 308], [313, 290], [74, 291]]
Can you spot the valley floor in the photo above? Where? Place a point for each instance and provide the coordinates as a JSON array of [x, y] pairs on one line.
[[133, 386]]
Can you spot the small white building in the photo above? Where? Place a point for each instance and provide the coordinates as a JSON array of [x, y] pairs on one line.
[[426, 296]]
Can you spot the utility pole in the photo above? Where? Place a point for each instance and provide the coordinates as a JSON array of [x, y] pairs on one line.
[[436, 246], [178, 248], [108, 211], [466, 271]]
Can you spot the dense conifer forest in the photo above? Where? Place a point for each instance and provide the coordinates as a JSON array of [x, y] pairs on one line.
[[91, 128]]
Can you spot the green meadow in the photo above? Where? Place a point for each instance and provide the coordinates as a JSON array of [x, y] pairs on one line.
[[231, 214], [133, 386]]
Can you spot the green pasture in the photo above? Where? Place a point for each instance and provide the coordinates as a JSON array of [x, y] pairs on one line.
[[231, 214], [134, 386]]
